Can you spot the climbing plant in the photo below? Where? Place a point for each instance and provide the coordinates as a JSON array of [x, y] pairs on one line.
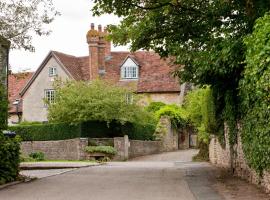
[[3, 107], [255, 96]]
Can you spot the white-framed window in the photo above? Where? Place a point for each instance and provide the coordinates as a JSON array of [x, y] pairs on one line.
[[129, 70], [49, 96], [52, 71]]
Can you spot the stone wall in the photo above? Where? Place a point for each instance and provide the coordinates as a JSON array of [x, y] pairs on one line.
[[221, 156], [169, 138], [57, 150], [142, 148]]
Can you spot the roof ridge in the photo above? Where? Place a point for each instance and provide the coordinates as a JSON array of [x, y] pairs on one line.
[[58, 52]]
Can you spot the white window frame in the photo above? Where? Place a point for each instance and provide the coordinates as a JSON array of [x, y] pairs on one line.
[[129, 70], [49, 96], [52, 71]]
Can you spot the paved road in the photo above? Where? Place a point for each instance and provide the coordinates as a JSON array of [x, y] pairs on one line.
[[167, 176]]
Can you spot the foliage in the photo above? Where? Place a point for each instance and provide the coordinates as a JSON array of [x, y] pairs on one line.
[[3, 107], [200, 108], [205, 38], [30, 15], [101, 101], [101, 149], [255, 98], [176, 114], [155, 106], [9, 158], [37, 156], [90, 129], [30, 123], [44, 132]]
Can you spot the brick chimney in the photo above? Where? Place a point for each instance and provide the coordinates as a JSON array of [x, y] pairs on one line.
[[99, 48]]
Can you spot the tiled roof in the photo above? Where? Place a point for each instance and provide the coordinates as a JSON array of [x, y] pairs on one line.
[[154, 75], [16, 82]]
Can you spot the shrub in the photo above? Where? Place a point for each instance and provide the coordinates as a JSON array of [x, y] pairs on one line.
[[78, 102], [37, 156], [200, 108], [176, 114], [90, 129], [44, 132], [154, 106], [101, 149], [9, 158]]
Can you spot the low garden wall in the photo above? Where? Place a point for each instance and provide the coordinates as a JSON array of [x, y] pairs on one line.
[[221, 156], [142, 148], [73, 149]]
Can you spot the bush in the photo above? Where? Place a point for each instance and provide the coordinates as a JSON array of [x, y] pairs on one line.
[[200, 108], [37, 156], [154, 106], [101, 149], [44, 132], [9, 158], [90, 129], [176, 114]]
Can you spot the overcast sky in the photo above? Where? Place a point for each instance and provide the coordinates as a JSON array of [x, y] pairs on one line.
[[68, 35]]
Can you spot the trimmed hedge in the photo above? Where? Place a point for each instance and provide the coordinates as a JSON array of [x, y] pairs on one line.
[[9, 158], [44, 132], [91, 129]]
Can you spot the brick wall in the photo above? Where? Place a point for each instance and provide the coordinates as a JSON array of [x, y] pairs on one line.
[[221, 156]]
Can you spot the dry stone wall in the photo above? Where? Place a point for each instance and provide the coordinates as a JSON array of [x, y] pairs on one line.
[[221, 156]]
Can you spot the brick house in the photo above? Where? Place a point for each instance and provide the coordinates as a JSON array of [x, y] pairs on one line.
[[16, 82], [145, 71]]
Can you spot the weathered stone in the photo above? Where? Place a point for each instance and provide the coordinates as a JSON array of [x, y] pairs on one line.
[[222, 157]]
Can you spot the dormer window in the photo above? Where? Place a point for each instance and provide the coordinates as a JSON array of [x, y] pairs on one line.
[[52, 71], [129, 70]]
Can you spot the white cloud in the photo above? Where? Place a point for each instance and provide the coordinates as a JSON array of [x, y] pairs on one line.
[[68, 35]]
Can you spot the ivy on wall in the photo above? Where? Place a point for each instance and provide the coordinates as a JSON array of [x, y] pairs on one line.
[[3, 108], [255, 96]]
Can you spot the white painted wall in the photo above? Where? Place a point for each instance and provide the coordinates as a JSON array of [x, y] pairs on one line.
[[33, 104]]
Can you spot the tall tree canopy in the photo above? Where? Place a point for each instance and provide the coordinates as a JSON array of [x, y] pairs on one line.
[[204, 36], [20, 19]]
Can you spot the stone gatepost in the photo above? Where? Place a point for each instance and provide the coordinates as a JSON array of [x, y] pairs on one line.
[[121, 144]]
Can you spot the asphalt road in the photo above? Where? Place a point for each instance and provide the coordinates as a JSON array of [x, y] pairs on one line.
[[168, 176]]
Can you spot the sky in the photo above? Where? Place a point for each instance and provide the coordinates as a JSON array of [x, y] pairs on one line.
[[68, 35]]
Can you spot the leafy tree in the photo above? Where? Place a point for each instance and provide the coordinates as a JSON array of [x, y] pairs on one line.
[[98, 100], [176, 114], [200, 108], [204, 37], [19, 19], [155, 106]]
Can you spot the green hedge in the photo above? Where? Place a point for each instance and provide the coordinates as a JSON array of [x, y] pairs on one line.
[[91, 129], [9, 158], [44, 132]]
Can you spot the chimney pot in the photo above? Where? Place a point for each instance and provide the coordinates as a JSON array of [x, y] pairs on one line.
[[99, 28], [105, 29], [92, 26]]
